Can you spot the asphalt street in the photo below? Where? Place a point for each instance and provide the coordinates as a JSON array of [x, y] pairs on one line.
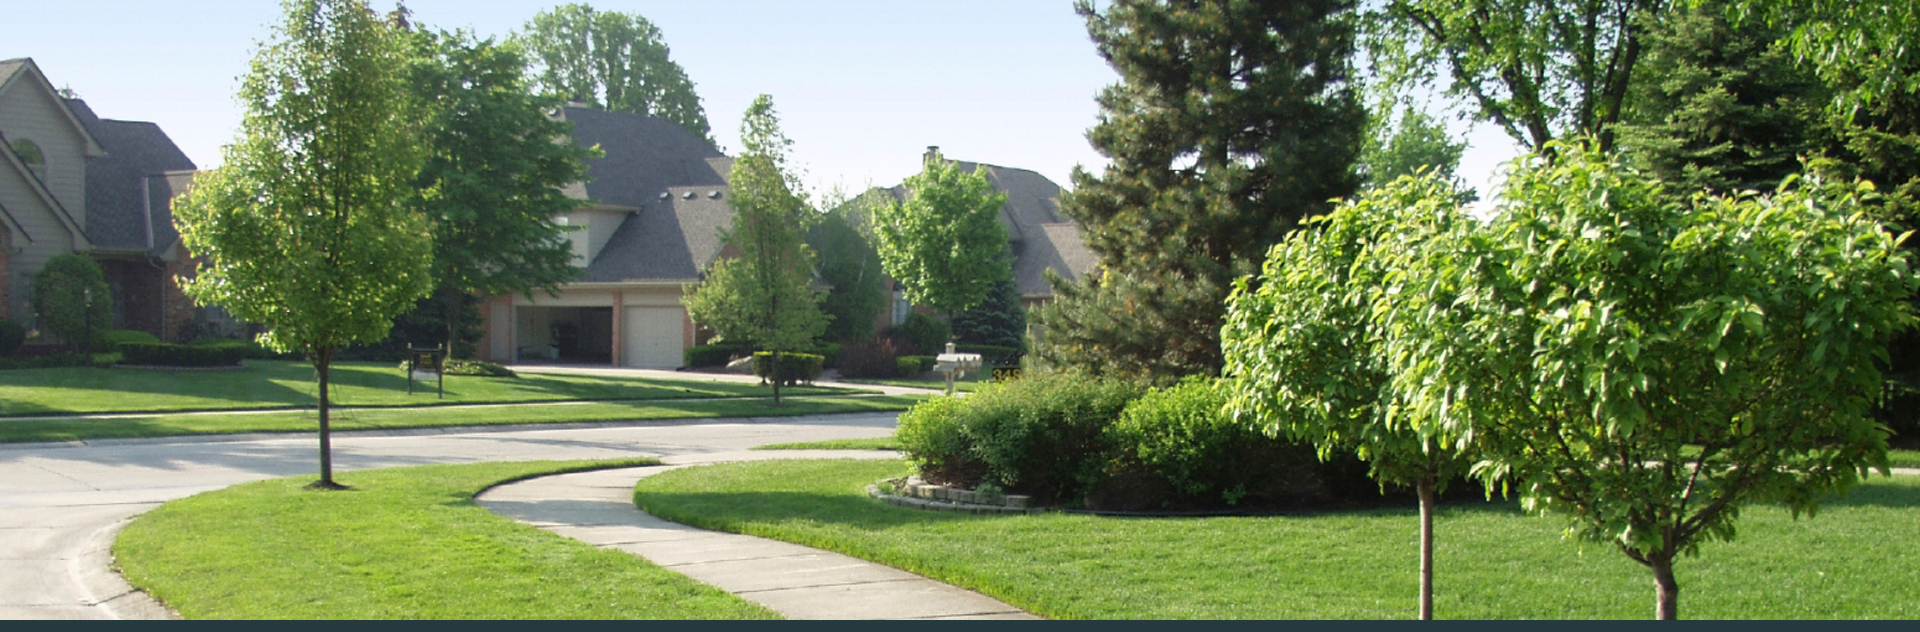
[[61, 504]]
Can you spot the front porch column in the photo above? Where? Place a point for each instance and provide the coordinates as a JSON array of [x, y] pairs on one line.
[[619, 320]]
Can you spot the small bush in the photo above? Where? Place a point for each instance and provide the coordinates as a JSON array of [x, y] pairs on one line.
[[709, 355], [163, 354], [914, 365], [923, 333], [478, 368], [1181, 437], [936, 443], [1041, 435], [873, 359], [113, 339], [829, 353], [794, 367], [12, 334]]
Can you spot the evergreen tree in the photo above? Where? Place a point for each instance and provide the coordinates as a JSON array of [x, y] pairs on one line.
[[1233, 121], [1728, 109], [1000, 320], [850, 264]]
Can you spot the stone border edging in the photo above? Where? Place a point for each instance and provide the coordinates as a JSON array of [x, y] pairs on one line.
[[920, 495]]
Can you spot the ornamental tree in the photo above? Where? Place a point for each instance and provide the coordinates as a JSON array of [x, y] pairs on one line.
[[1648, 367], [70, 297], [944, 243], [1306, 357], [304, 228], [764, 293]]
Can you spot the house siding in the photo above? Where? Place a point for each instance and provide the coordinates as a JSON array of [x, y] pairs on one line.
[[26, 112], [50, 238]]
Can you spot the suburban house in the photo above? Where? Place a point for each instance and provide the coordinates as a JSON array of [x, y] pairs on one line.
[[71, 181]]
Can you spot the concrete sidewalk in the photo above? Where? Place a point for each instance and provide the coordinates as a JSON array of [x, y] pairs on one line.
[[796, 581]]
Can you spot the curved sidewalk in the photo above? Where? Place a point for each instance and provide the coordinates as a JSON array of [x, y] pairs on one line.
[[796, 581]]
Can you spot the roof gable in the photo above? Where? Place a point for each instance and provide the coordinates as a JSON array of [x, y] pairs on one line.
[[23, 74], [122, 212], [40, 190]]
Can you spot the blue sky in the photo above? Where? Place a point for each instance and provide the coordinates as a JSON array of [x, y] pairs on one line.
[[862, 87]]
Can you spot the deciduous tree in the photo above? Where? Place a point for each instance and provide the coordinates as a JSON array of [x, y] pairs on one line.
[[764, 293], [70, 297], [1308, 359], [848, 261], [612, 60], [1648, 368], [1233, 121], [304, 228], [944, 244]]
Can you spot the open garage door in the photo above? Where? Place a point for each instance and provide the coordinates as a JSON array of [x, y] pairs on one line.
[[653, 337]]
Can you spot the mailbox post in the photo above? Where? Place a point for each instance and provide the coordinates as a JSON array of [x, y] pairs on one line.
[[955, 365]]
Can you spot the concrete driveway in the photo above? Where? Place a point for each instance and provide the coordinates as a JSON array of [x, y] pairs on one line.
[[61, 504]]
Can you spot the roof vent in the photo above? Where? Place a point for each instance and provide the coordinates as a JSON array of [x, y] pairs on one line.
[[687, 196], [664, 196], [713, 195]]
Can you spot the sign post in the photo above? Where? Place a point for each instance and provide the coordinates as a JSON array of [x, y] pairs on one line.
[[427, 362]]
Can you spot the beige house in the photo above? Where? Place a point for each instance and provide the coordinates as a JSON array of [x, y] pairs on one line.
[[71, 181]]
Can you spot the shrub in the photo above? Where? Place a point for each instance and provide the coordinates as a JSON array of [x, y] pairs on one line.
[[829, 353], [923, 333], [992, 355], [936, 442], [113, 339], [11, 335], [709, 355], [478, 368], [60, 291], [163, 354], [877, 358], [1040, 435], [1180, 437], [794, 367], [913, 366]]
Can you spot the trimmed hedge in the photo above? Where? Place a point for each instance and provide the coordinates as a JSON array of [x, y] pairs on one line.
[[1178, 441], [1042, 435], [794, 367], [709, 355], [113, 339], [163, 354], [914, 365]]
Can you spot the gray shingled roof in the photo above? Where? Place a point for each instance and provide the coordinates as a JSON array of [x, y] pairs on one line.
[[664, 239], [118, 215], [1041, 238]]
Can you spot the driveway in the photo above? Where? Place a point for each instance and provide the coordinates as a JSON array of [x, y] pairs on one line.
[[60, 504]]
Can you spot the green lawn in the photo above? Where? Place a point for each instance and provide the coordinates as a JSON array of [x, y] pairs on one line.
[[405, 543], [1857, 559], [877, 443], [18, 430], [290, 384], [1904, 458]]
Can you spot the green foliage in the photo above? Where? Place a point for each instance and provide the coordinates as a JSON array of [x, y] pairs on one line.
[[477, 368], [1041, 435], [12, 334], [1233, 121], [877, 357], [944, 244], [1727, 108], [925, 333], [162, 354], [763, 294], [710, 355], [611, 60], [850, 264], [1414, 143], [1648, 368], [795, 368], [1181, 435], [59, 360], [113, 339], [993, 355], [914, 365], [1539, 70], [304, 228], [70, 295], [1000, 321], [493, 177]]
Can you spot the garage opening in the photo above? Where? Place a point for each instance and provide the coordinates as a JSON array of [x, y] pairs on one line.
[[564, 335]]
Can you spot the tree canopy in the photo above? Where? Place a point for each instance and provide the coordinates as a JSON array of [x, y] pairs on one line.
[[304, 229], [1232, 122], [848, 262], [70, 296], [612, 60], [944, 244], [763, 294], [493, 177]]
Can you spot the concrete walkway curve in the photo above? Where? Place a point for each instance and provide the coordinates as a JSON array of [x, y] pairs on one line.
[[798, 582]]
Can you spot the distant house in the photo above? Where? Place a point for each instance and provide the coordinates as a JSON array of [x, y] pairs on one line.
[[655, 206], [1039, 237], [74, 182]]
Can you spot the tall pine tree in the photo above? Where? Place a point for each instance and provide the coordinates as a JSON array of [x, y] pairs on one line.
[[1233, 121]]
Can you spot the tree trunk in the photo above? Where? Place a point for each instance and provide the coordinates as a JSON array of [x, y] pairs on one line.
[[773, 375], [322, 368], [452, 305], [1666, 591], [1428, 499]]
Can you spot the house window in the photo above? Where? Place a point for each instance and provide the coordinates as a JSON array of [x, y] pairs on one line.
[[30, 153], [901, 307]]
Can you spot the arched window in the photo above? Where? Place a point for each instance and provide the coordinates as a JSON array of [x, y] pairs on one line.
[[30, 153]]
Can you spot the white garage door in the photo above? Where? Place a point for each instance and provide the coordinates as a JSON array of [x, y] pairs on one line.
[[652, 337]]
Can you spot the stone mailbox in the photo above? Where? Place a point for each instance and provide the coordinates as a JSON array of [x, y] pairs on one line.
[[955, 365]]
